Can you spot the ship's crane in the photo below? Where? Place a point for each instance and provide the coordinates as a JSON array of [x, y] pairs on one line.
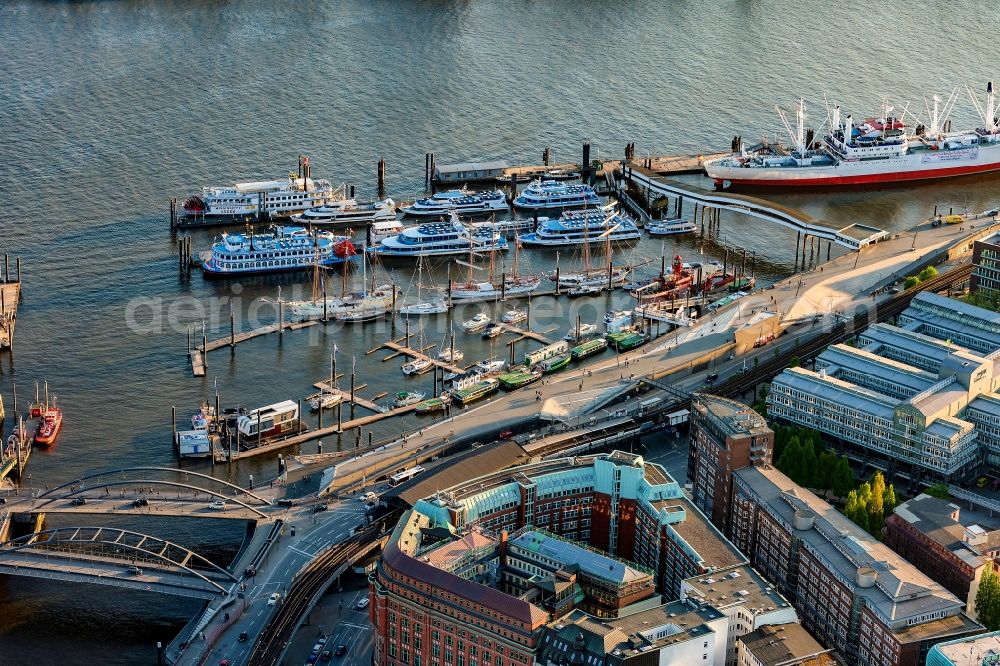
[[987, 113]]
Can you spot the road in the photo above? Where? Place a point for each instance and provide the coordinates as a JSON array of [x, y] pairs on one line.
[[313, 533]]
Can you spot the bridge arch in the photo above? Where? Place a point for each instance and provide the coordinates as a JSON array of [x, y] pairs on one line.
[[124, 470], [116, 537]]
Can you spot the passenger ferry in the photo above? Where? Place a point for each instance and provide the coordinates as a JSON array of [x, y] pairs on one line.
[[348, 211], [284, 249], [269, 198], [673, 227], [577, 227], [554, 195], [382, 229], [464, 202], [438, 239]]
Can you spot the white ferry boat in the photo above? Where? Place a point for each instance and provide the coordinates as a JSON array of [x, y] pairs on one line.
[[269, 198], [348, 211], [673, 227], [508, 228], [437, 239], [555, 195], [576, 227], [284, 249], [464, 202]]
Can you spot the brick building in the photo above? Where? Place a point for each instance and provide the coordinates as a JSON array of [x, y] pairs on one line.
[[725, 436], [482, 567], [857, 596], [930, 533]]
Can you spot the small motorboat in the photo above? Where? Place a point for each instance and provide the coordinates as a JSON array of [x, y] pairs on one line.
[[490, 365], [576, 334], [583, 290], [613, 315], [417, 366], [404, 398], [514, 316], [325, 401], [48, 426], [477, 323], [492, 330], [429, 308], [451, 355]]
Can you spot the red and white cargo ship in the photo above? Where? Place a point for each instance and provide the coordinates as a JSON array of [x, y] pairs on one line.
[[877, 150]]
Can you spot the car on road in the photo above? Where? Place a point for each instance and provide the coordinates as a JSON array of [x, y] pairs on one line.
[[243, 637], [312, 658], [325, 655], [362, 604], [505, 434], [712, 376], [79, 501], [134, 570], [273, 599], [319, 507], [368, 497], [370, 506], [341, 649], [318, 648], [218, 505], [140, 501]]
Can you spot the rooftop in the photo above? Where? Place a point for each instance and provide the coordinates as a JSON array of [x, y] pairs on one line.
[[451, 553], [738, 586], [776, 645], [591, 562], [735, 418], [979, 647], [496, 165], [714, 549], [941, 521]]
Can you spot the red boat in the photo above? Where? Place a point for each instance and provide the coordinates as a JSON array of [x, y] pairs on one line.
[[671, 286], [48, 426]]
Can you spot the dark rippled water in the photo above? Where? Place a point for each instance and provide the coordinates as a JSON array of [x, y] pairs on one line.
[[110, 108]]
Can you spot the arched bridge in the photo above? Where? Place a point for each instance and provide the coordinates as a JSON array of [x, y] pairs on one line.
[[117, 557], [854, 236], [145, 488]]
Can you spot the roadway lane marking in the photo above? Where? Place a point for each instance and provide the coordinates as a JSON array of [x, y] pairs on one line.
[[356, 626], [300, 552]]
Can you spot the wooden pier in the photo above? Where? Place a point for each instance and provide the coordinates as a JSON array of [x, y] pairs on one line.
[[526, 334], [199, 353], [676, 165], [325, 387], [413, 353], [10, 296], [221, 455]]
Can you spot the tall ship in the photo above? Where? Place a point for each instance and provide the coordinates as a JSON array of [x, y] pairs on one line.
[[494, 287], [577, 227], [555, 195], [463, 202], [348, 211], [264, 199], [876, 150], [283, 249], [438, 239], [678, 283]]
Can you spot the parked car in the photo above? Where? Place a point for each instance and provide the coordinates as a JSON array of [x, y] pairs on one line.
[[362, 604], [273, 599], [325, 655], [218, 505]]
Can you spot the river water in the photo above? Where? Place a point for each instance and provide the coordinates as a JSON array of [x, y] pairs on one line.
[[108, 109]]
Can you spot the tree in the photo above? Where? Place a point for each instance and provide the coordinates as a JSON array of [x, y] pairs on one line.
[[876, 504], [928, 273], [790, 461], [825, 466], [854, 510], [988, 600], [794, 362], [807, 472], [843, 478], [939, 490], [910, 282]]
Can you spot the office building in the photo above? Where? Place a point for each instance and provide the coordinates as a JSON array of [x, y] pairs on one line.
[[853, 593], [782, 645]]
